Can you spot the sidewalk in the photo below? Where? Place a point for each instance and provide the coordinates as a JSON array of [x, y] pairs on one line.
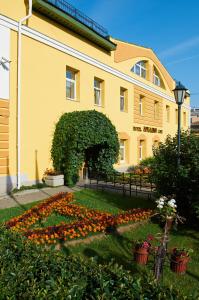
[[29, 196]]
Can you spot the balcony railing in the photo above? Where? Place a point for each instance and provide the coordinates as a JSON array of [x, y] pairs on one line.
[[79, 16]]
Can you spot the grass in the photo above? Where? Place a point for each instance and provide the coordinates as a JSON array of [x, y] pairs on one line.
[[104, 201], [110, 202], [8, 213], [120, 247]]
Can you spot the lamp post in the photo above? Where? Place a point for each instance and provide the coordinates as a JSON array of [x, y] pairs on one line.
[[179, 93]]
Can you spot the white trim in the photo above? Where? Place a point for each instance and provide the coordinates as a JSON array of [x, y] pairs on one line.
[[122, 147], [141, 149], [71, 81], [156, 77], [98, 89], [141, 68], [141, 105], [68, 50]]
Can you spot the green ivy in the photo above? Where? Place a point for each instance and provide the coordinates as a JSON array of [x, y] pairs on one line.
[[84, 136]]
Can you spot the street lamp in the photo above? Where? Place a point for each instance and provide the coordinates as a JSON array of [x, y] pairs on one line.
[[179, 93]]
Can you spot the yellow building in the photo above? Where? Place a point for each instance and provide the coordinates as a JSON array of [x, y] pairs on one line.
[[58, 61]]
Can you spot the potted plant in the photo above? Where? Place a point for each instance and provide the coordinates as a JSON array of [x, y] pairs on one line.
[[53, 178], [141, 252], [179, 260]]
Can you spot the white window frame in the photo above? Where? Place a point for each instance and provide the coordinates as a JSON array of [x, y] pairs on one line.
[[141, 69], [156, 79], [71, 81], [141, 142], [122, 99], [122, 147], [141, 105], [100, 92]]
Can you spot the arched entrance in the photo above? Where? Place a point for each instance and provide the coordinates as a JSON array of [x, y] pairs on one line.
[[84, 138]]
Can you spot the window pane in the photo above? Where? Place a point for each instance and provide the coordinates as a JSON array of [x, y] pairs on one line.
[[122, 150], [70, 74], [121, 103], [97, 96], [143, 73], [96, 83], [137, 69], [121, 153], [70, 90]]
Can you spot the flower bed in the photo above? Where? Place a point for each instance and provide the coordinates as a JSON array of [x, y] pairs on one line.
[[89, 220]]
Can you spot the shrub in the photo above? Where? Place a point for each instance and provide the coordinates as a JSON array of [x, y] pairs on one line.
[[143, 167], [32, 272], [182, 181], [84, 136], [147, 162]]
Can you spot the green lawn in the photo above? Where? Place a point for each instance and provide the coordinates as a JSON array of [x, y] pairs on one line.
[[104, 201], [120, 247], [8, 213], [110, 202]]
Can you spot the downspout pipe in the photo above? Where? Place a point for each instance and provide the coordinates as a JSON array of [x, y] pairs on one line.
[[19, 93]]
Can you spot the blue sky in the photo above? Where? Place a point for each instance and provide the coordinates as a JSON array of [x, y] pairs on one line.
[[170, 28]]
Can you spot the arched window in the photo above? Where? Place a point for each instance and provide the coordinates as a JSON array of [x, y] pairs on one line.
[[157, 80], [140, 69]]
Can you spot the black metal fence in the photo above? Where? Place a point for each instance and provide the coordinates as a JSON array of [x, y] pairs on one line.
[[78, 15], [126, 183]]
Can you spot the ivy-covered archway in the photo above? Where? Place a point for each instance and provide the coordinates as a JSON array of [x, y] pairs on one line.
[[84, 136]]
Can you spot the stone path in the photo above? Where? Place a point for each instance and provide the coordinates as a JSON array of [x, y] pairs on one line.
[[33, 195]]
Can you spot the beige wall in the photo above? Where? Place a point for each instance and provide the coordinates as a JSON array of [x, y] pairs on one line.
[[43, 98]]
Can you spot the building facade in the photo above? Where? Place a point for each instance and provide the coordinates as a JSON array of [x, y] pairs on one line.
[[67, 62], [195, 120]]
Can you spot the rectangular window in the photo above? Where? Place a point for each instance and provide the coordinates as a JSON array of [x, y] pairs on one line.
[[122, 151], [184, 118], [97, 92], [141, 145], [123, 99], [156, 109], [141, 105], [168, 113], [71, 84]]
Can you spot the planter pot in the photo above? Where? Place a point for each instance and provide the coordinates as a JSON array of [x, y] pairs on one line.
[[169, 223], [54, 180], [141, 256], [179, 264]]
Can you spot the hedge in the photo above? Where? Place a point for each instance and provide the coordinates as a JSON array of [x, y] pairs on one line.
[[30, 272]]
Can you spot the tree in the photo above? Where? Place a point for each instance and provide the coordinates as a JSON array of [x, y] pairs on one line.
[[84, 136], [182, 181]]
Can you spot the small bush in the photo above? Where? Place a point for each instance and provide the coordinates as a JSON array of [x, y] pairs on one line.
[[147, 162], [32, 272]]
